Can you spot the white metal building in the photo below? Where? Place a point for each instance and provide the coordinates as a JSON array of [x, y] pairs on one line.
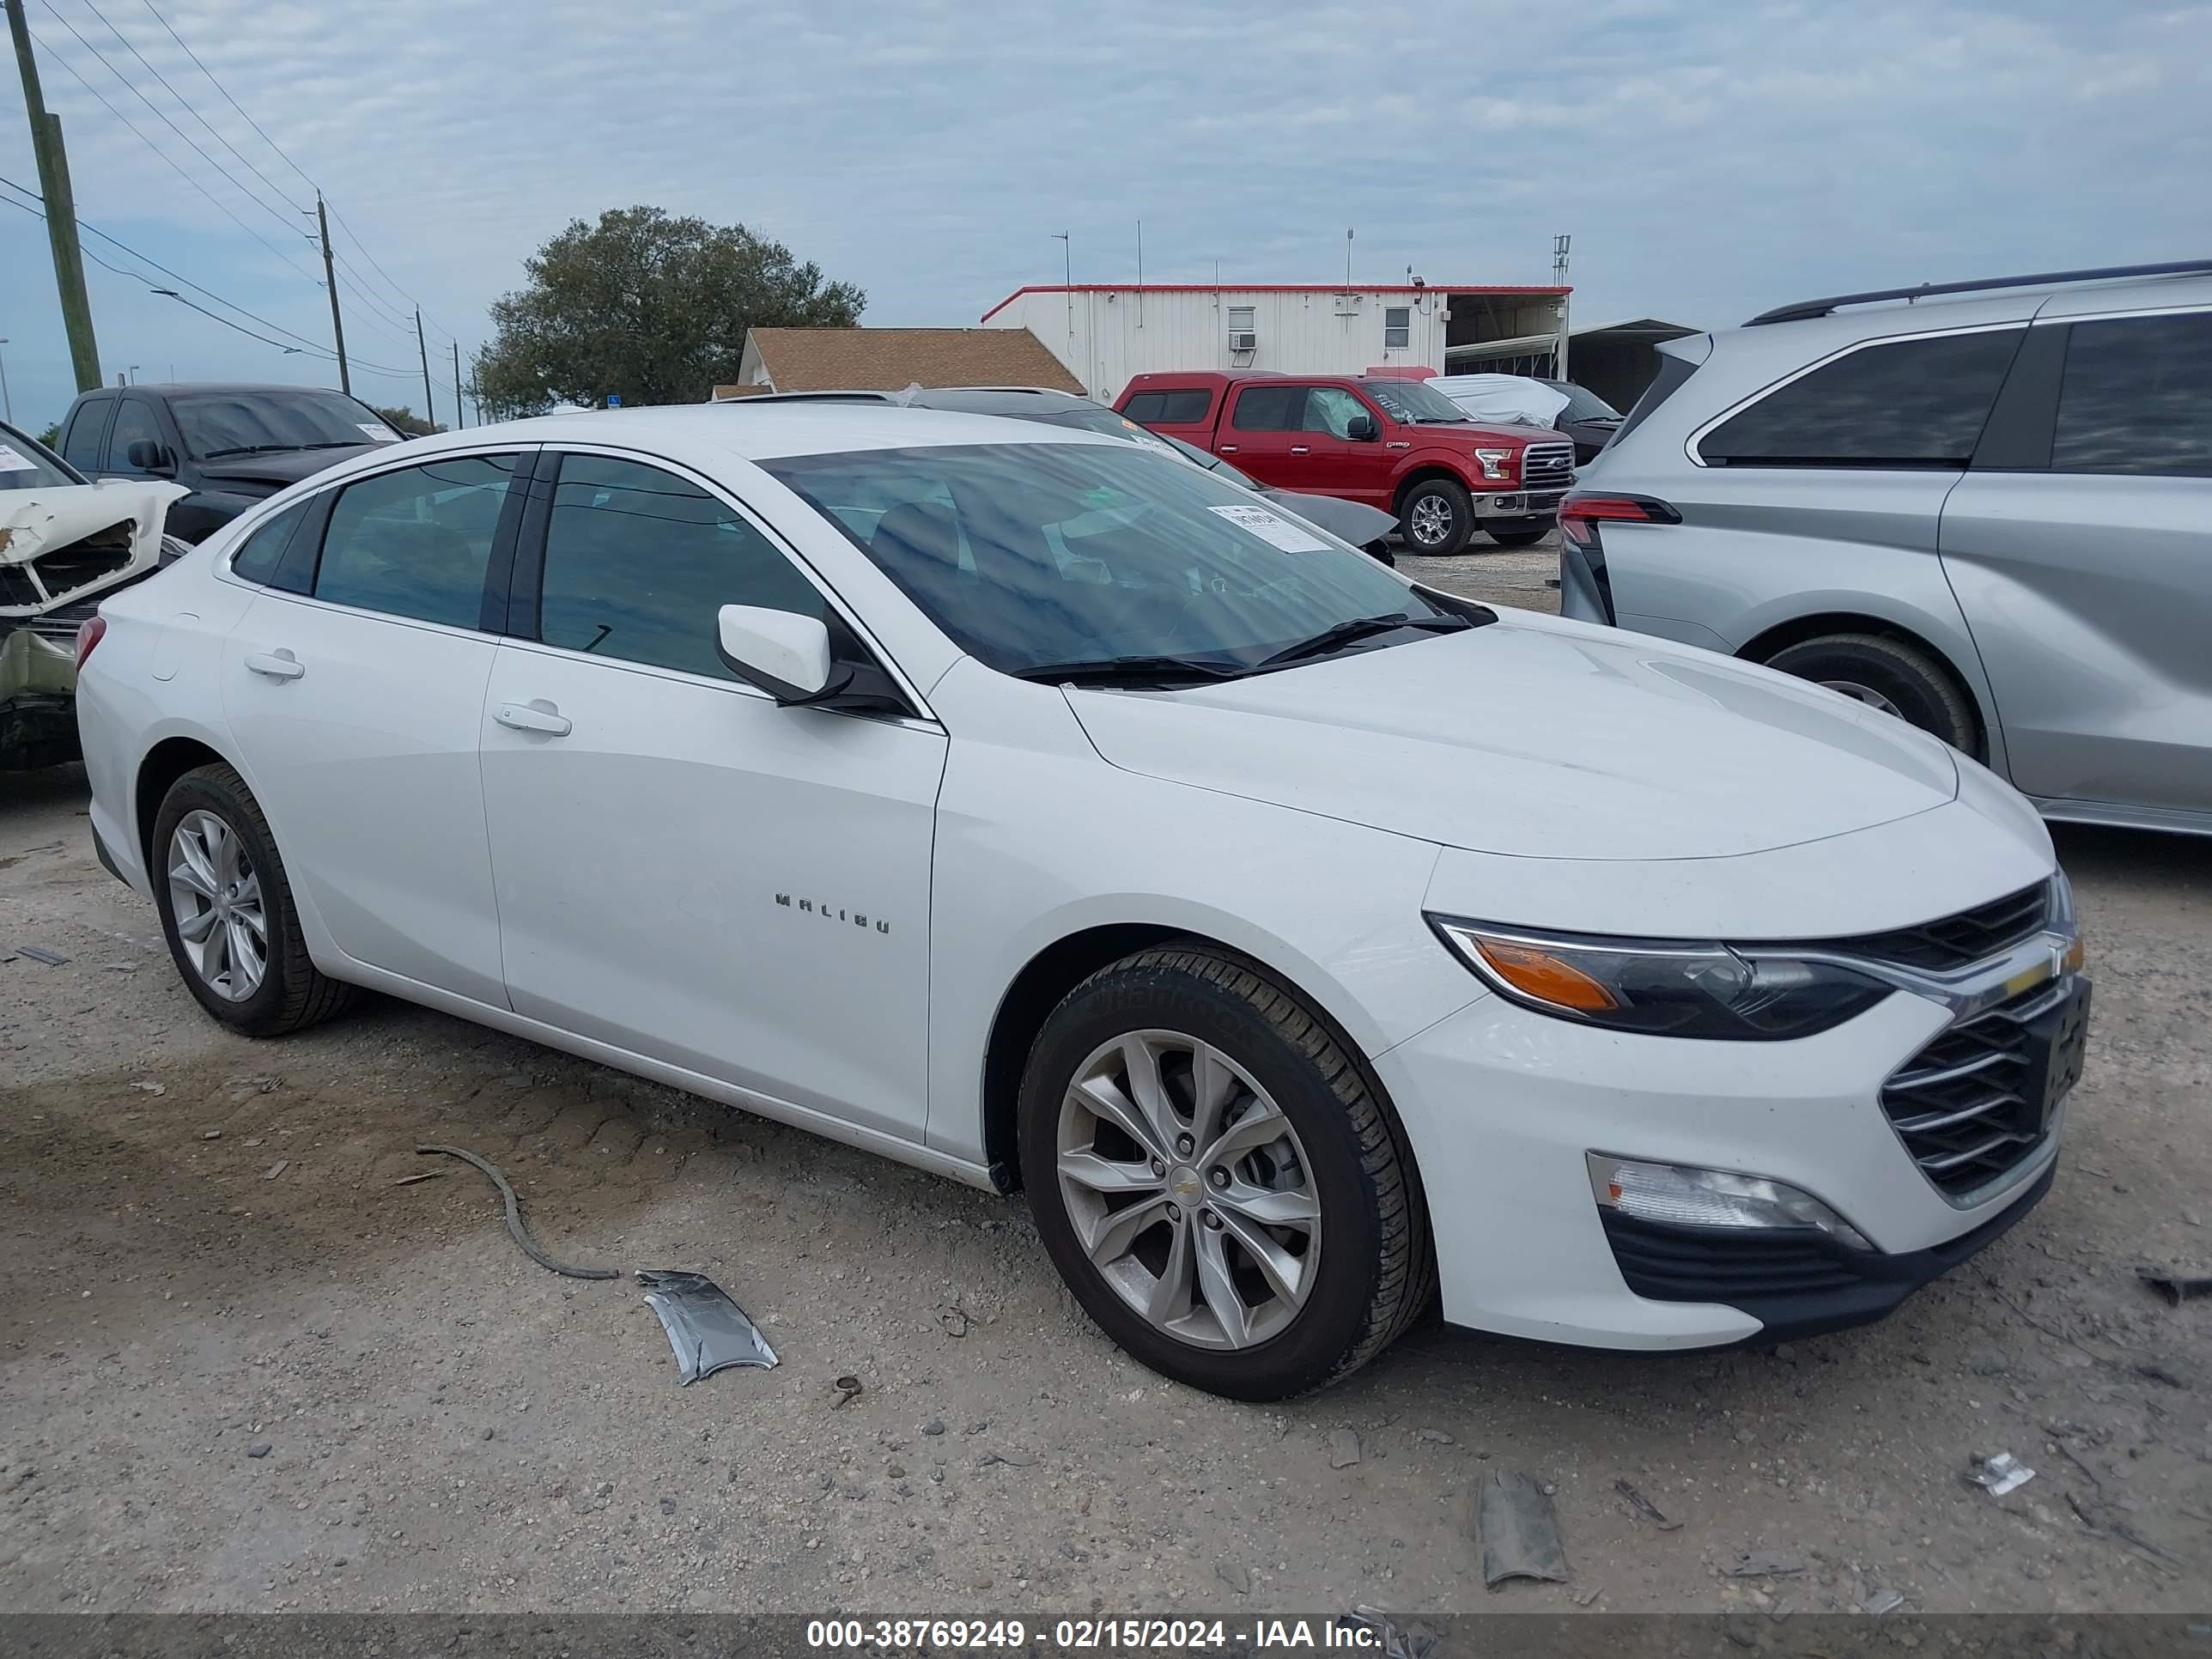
[[1107, 331]]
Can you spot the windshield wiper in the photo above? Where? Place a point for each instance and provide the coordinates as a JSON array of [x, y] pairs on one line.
[[1361, 628], [1130, 670], [249, 449], [334, 443]]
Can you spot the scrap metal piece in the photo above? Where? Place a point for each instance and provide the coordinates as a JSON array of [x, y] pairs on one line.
[[708, 1332], [1645, 1508], [515, 1218], [1520, 1539], [2000, 1475], [39, 953], [1391, 1639], [2175, 1287]]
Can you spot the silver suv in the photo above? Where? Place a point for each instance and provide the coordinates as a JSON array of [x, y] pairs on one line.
[[1984, 507]]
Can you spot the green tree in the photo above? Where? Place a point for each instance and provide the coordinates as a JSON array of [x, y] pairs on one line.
[[407, 424], [650, 306], [51, 437]]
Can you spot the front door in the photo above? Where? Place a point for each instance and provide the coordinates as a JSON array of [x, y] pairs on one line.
[[1338, 463], [355, 703], [1259, 433], [686, 870], [2087, 584]]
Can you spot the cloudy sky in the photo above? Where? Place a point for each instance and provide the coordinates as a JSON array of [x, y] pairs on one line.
[[1710, 157]]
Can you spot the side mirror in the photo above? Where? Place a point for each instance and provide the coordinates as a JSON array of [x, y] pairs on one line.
[[1360, 429], [786, 655], [144, 455]]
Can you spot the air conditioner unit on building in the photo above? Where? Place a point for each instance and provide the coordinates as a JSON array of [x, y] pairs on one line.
[[1244, 340]]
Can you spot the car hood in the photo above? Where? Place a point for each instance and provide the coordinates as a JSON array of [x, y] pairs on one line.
[[67, 540], [1538, 738], [280, 467]]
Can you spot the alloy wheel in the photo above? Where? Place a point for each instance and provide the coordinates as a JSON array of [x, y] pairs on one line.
[[1865, 693], [1188, 1189], [215, 893], [1431, 521]]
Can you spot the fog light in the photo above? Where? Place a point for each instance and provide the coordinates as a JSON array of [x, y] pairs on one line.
[[1682, 1197]]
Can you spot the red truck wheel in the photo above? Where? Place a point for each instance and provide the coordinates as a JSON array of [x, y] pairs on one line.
[[1436, 517]]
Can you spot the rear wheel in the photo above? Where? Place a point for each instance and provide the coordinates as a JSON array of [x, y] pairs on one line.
[[1887, 674], [1511, 535], [226, 909], [1215, 1181], [1436, 517]]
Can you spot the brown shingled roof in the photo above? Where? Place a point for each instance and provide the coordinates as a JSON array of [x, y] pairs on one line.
[[892, 359]]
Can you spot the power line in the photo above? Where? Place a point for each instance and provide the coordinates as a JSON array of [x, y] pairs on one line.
[[169, 159], [275, 189], [228, 177], [306, 346], [381, 271], [226, 97]]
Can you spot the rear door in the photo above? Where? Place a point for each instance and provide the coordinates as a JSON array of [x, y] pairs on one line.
[[1260, 431], [356, 699], [2080, 548]]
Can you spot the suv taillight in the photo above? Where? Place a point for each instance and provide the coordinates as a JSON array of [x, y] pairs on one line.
[[1580, 515], [89, 632]]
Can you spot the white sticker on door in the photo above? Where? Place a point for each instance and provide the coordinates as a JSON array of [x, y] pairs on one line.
[[14, 460], [383, 434], [1269, 527]]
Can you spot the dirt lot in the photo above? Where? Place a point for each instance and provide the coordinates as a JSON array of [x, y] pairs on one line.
[[242, 1369]]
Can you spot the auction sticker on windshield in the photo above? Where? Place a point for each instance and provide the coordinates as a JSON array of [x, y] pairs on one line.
[[383, 434], [13, 460], [1281, 532]]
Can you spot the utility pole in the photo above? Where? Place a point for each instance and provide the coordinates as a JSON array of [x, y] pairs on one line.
[[460, 409], [331, 282], [60, 206], [429, 404], [1561, 244], [7, 403]]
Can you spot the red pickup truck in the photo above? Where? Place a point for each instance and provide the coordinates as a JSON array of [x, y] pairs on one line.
[[1393, 444]]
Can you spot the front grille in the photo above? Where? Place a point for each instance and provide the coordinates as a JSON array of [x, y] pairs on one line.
[[1969, 1106], [1959, 941], [61, 622], [1547, 466]]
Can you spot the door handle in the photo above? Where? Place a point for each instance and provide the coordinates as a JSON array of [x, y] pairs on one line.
[[275, 665], [538, 716], [1395, 445], [1298, 449], [1226, 449]]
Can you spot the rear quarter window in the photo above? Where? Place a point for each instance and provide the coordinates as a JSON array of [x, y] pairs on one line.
[[1185, 408]]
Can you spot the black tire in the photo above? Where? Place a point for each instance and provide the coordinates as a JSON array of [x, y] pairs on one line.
[[1518, 537], [1381, 553], [293, 994], [1376, 1271], [1917, 686], [1430, 499]]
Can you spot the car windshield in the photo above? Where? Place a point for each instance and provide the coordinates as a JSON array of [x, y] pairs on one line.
[[27, 463], [1098, 418], [1414, 404], [242, 422], [1583, 404], [1048, 555], [1213, 464]]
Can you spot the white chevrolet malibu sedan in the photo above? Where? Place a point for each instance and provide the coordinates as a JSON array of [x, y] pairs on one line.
[[1309, 946]]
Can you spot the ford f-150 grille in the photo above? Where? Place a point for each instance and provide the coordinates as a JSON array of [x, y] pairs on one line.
[[1547, 466]]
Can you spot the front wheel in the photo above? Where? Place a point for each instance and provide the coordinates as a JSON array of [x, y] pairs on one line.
[[226, 909], [1890, 675], [1436, 517], [1216, 1182]]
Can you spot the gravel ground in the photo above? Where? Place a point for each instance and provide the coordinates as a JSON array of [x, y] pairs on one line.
[[244, 1368]]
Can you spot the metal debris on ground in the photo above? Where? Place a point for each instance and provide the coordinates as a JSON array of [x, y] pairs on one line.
[[1343, 1449], [155, 1089], [1644, 1508], [1390, 1638], [847, 1389], [277, 1169], [1883, 1601], [1765, 1564], [514, 1216], [708, 1332], [427, 1174], [1520, 1538], [2175, 1287], [39, 953], [2002, 1474]]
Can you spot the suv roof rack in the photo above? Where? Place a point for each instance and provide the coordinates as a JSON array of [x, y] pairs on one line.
[[1809, 309]]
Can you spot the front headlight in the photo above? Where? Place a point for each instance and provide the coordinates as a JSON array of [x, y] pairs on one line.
[[1494, 463], [1661, 987]]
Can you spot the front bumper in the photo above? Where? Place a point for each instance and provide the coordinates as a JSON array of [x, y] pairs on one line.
[[37, 719], [1520, 504], [1502, 1105]]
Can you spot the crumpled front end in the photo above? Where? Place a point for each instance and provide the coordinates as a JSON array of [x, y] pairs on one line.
[[61, 549]]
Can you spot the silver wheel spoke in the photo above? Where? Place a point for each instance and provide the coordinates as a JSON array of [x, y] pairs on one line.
[[1171, 1299], [194, 929], [1220, 1290], [188, 873], [1103, 1097], [1108, 1175], [1262, 1124], [1142, 1062], [1293, 1208], [1117, 1230], [1213, 1085], [244, 953], [1285, 1274]]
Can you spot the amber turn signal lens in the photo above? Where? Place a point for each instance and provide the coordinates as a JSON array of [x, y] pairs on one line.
[[1537, 972], [2076, 954]]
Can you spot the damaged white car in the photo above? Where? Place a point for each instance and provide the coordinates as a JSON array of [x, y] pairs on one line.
[[65, 544]]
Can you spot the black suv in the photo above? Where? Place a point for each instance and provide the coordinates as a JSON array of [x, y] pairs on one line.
[[231, 446]]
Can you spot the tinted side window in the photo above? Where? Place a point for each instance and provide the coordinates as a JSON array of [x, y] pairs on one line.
[[638, 561], [2134, 399], [1269, 408], [134, 423], [1908, 403], [258, 556], [81, 443], [1171, 408], [416, 543]]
